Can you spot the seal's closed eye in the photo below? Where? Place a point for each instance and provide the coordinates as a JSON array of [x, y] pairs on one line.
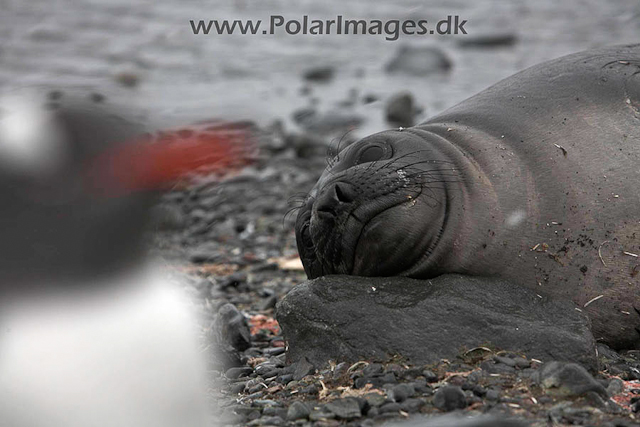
[[373, 152]]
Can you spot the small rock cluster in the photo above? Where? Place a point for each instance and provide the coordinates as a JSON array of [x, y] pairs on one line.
[[501, 385]]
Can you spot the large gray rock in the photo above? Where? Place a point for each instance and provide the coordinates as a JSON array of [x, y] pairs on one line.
[[346, 318]]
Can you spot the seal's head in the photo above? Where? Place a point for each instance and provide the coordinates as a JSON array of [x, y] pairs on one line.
[[378, 210]]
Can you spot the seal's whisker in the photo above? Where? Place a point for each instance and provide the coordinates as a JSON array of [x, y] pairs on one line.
[[340, 142], [296, 202], [334, 156], [409, 165], [288, 213], [298, 197], [441, 172], [413, 153]]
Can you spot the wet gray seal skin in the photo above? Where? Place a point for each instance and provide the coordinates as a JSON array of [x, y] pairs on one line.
[[535, 180]]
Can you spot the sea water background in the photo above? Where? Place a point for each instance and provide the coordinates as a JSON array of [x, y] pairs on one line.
[[184, 77]]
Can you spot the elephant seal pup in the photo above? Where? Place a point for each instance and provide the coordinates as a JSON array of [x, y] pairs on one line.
[[535, 180]]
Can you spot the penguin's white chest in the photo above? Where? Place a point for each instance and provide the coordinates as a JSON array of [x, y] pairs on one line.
[[128, 357]]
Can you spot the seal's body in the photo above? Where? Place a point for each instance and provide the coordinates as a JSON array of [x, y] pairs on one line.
[[536, 180]]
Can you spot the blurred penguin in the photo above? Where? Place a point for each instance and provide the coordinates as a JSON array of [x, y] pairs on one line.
[[90, 333]]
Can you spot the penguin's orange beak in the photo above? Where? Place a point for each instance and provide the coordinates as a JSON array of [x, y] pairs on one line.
[[153, 163]]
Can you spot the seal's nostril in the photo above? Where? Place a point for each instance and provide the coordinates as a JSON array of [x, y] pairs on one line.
[[344, 193], [340, 195], [332, 200]]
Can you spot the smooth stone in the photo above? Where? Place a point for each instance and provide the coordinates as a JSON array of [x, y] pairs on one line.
[[449, 398], [238, 372], [412, 405], [400, 110], [567, 380], [616, 385], [401, 392], [419, 61], [389, 407], [233, 328], [319, 74], [346, 408], [268, 303], [488, 40], [375, 399], [267, 421], [298, 410], [459, 420], [430, 376], [302, 368]]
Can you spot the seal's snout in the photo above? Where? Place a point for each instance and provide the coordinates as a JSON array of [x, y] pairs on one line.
[[335, 198]]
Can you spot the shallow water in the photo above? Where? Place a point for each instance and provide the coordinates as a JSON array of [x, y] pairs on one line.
[[184, 77]]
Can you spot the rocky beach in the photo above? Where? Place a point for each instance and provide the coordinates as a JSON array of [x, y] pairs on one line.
[[231, 237]]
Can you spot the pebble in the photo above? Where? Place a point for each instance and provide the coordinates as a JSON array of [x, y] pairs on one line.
[[369, 98], [373, 369], [268, 303], [303, 368], [127, 78], [412, 405], [401, 392], [419, 61], [492, 395], [346, 408], [238, 387], [492, 367], [340, 370], [430, 376], [616, 385], [488, 40], [273, 411], [567, 379], [298, 410], [375, 399], [264, 367], [273, 351], [422, 387], [390, 407], [376, 381], [285, 379], [400, 110], [319, 74], [267, 421], [323, 414], [448, 398], [237, 372]]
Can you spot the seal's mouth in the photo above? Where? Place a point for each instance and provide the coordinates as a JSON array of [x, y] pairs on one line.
[[373, 240], [349, 242]]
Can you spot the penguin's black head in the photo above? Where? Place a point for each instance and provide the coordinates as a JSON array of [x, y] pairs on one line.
[[65, 215]]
